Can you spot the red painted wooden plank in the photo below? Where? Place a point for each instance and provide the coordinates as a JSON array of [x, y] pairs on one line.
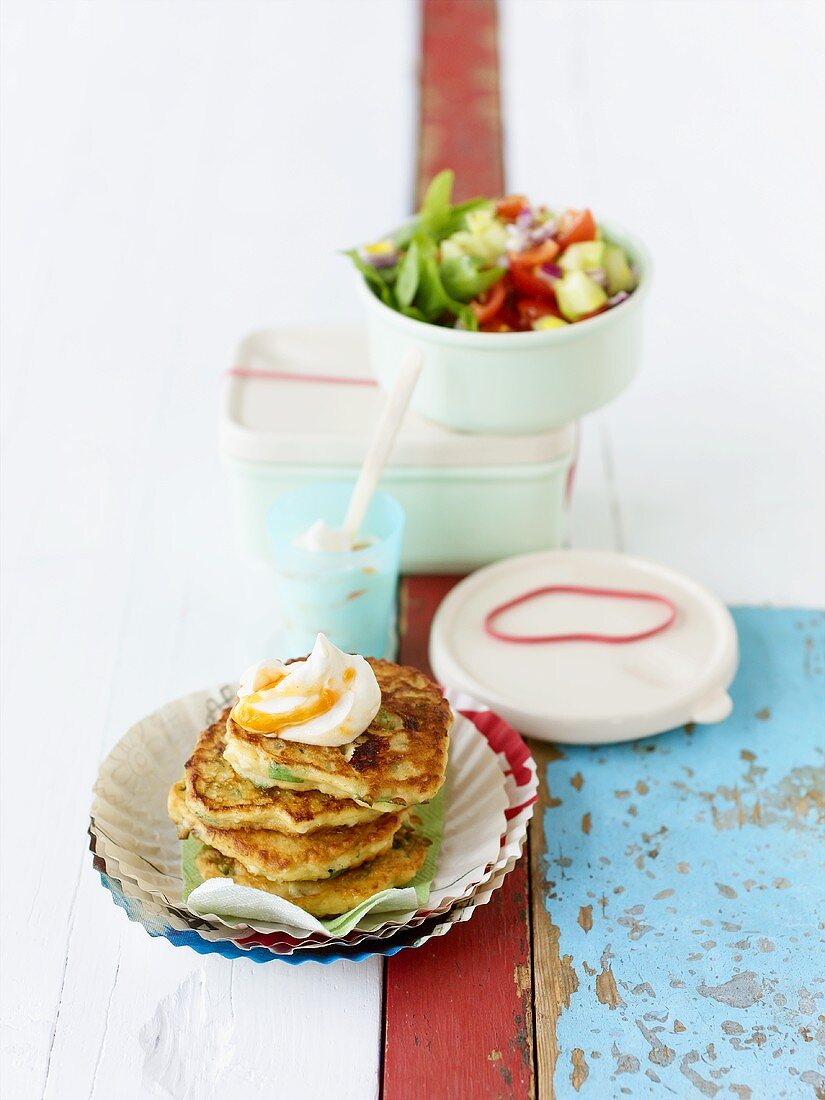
[[459, 96], [418, 602], [458, 1011], [459, 1016]]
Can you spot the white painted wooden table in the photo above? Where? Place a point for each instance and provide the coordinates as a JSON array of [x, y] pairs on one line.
[[176, 174]]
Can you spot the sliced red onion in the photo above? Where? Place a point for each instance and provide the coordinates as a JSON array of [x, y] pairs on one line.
[[517, 238], [553, 270], [543, 231], [378, 260], [620, 297], [599, 276], [524, 218]]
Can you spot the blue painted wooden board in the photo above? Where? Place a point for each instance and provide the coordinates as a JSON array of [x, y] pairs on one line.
[[685, 875]]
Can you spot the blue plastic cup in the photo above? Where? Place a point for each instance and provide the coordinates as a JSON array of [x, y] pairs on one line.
[[349, 596]]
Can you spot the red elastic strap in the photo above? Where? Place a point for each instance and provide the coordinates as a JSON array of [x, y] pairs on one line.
[[295, 376], [579, 590]]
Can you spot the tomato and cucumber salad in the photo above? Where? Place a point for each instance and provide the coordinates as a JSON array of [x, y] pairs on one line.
[[496, 265]]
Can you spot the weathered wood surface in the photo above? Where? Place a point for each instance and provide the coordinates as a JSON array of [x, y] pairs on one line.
[[678, 894], [141, 255], [458, 1012], [106, 560], [459, 1020], [459, 124]]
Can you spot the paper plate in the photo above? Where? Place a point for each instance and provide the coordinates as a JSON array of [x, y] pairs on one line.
[[158, 926], [491, 786], [184, 920], [160, 922], [587, 692], [175, 920]]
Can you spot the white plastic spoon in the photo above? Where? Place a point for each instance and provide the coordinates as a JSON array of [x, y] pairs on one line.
[[385, 433], [320, 536]]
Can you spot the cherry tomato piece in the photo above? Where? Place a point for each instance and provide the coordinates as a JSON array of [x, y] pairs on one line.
[[543, 253], [487, 305], [532, 282], [531, 309], [576, 225], [509, 206]]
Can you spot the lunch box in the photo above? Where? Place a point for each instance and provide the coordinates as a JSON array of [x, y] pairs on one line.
[[515, 382], [300, 405]]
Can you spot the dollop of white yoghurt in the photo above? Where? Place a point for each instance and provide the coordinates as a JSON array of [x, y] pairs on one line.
[[324, 539], [328, 699]]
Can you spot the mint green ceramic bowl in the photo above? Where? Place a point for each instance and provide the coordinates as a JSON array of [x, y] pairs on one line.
[[515, 382]]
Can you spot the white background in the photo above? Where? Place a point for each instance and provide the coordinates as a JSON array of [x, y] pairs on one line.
[[176, 174]]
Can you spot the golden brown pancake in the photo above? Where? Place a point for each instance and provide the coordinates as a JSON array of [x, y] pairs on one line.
[[399, 761], [218, 796], [338, 894], [285, 857]]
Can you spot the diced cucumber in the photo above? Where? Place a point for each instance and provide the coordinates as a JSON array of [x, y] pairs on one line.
[[584, 256], [577, 295], [544, 324], [619, 275]]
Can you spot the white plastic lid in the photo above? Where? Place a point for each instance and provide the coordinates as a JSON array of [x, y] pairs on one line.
[[587, 692], [269, 418]]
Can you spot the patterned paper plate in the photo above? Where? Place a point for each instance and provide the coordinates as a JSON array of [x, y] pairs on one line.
[[163, 923], [183, 920], [140, 886]]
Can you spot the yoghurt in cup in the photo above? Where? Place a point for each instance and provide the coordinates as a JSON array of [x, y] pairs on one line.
[[347, 594]]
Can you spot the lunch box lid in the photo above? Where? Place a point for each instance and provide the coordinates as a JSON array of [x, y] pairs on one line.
[[587, 691], [304, 395]]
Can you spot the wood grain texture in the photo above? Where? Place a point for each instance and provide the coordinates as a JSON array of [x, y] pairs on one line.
[[699, 969], [458, 1012], [554, 978], [140, 226], [459, 1019], [459, 106], [418, 601], [143, 222]]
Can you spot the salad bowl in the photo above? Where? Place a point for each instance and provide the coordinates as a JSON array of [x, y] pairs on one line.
[[515, 382]]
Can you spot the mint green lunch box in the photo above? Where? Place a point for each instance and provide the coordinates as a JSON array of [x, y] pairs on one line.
[[300, 406]]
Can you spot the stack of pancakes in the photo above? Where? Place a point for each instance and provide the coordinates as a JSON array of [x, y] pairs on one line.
[[323, 827]]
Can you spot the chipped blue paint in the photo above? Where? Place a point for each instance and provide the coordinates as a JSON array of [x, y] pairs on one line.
[[703, 972]]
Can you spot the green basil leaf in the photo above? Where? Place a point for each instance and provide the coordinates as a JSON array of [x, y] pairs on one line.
[[456, 220], [435, 209], [432, 298], [373, 278], [408, 273], [434, 224], [468, 319], [412, 311]]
